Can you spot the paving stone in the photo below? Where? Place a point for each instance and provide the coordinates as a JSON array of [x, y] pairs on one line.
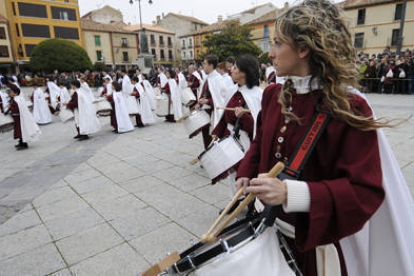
[[33, 262], [142, 183], [213, 193], [25, 240], [119, 207], [166, 239], [73, 223], [106, 194], [99, 182], [61, 208], [155, 167], [172, 173], [54, 195], [140, 223], [199, 222], [120, 260], [19, 222], [124, 175], [88, 243], [63, 272], [190, 182], [81, 176]]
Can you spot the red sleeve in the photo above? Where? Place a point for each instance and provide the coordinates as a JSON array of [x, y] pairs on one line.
[[167, 88], [110, 98], [220, 128], [32, 97], [247, 124], [104, 91], [249, 166], [73, 103], [136, 93], [340, 207], [14, 107]]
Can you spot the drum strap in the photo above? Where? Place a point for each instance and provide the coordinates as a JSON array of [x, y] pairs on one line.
[[307, 144]]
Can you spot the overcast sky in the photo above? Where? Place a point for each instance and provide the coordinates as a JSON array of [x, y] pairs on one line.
[[206, 10]]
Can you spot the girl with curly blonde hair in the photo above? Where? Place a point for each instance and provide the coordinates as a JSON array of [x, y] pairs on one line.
[[341, 185]]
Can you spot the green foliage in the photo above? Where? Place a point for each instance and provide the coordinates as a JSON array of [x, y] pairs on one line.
[[264, 58], [59, 54], [99, 66], [231, 41]]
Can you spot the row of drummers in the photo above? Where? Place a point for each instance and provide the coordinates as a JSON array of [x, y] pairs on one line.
[[226, 114]]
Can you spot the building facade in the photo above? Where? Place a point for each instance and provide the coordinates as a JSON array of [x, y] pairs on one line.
[[161, 43], [375, 24], [263, 31], [112, 45], [181, 25], [105, 15], [32, 21], [6, 54]]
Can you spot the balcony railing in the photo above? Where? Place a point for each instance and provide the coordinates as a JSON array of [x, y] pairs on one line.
[[124, 45], [153, 43]]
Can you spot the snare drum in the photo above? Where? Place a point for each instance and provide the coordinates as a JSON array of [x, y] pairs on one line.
[[6, 122], [195, 122], [162, 105], [222, 157], [246, 248], [187, 97], [103, 108], [65, 115]]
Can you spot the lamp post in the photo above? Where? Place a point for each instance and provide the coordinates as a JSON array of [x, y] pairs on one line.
[[145, 59]]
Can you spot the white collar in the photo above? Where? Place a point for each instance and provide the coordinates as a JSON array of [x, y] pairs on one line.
[[301, 84]]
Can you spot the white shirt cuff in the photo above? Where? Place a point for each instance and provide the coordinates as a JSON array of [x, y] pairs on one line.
[[298, 196]]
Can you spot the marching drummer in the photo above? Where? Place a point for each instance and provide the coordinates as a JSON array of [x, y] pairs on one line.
[[194, 82], [145, 116], [341, 185], [162, 78], [248, 96], [212, 96], [120, 119], [171, 89]]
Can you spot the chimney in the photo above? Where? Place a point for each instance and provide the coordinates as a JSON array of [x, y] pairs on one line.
[[158, 19], [220, 18]]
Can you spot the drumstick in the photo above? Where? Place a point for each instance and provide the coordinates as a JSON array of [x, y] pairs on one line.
[[233, 109], [182, 118], [193, 162], [209, 237]]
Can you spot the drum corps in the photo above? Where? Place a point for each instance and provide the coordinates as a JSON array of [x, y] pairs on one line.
[[306, 156]]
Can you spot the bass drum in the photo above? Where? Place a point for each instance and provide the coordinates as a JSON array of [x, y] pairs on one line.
[[66, 115], [195, 122], [103, 108], [162, 105], [6, 122]]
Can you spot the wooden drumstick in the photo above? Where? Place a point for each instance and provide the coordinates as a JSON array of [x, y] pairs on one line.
[[182, 118], [233, 109], [209, 237], [193, 162]]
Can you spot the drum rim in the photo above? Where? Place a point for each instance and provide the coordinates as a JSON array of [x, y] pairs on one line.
[[219, 141], [189, 261]]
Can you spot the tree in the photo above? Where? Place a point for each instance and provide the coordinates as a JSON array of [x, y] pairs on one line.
[[264, 58], [59, 54], [231, 41]]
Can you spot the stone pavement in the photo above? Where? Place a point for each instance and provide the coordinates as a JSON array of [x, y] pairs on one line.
[[115, 204]]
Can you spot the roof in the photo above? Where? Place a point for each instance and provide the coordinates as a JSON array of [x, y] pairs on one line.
[[97, 10], [270, 16], [353, 4], [253, 10], [188, 18], [3, 19], [89, 25], [147, 27], [218, 26]]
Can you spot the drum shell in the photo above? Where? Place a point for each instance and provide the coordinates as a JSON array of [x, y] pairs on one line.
[[6, 122], [187, 96], [103, 108], [221, 157], [162, 105], [196, 121], [65, 115]]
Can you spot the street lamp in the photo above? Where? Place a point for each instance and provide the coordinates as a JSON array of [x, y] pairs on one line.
[[139, 5]]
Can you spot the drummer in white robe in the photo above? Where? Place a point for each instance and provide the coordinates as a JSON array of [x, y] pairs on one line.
[[145, 115], [64, 96], [161, 78], [127, 89], [25, 126], [171, 89], [41, 111], [120, 119], [149, 90], [82, 105], [231, 86], [53, 91]]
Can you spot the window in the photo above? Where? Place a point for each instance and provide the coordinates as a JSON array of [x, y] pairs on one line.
[[162, 54], [161, 41], [359, 40], [124, 42], [31, 30], [14, 8], [29, 48], [99, 55], [169, 41], [395, 35], [170, 55], [191, 54], [97, 41], [398, 11], [184, 54], [183, 44], [190, 43], [266, 31], [67, 33], [63, 14], [361, 17], [20, 50], [17, 30], [32, 10], [125, 56], [154, 53], [152, 40], [2, 33], [4, 51]]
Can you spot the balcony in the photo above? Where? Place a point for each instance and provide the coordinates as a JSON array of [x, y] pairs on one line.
[[183, 47], [124, 45], [153, 43], [161, 44], [170, 45], [190, 46]]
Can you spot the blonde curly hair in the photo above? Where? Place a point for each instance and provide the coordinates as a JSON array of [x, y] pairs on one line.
[[318, 25]]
